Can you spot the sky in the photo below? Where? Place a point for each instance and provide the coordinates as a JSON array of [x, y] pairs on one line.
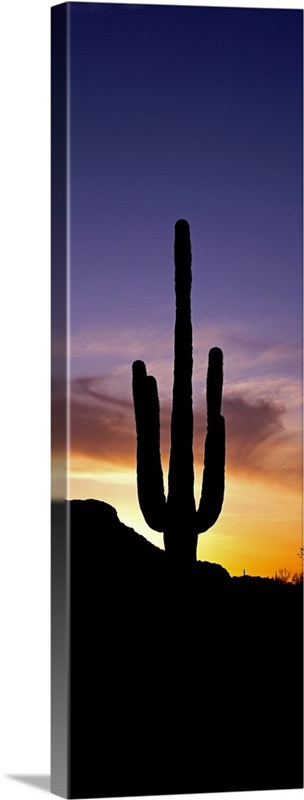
[[195, 113]]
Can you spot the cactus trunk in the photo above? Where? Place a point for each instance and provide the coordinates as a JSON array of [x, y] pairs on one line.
[[179, 532], [177, 517]]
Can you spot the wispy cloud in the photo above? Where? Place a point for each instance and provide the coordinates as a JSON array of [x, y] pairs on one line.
[[263, 440], [101, 422], [249, 350], [122, 342], [262, 396], [259, 444]]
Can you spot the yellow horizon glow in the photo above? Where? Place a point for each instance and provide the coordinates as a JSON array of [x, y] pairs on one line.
[[259, 529]]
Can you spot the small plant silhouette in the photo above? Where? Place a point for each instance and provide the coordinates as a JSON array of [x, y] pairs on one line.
[[283, 575], [177, 517]]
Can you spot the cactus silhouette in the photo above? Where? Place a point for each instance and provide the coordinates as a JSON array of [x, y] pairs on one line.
[[177, 517]]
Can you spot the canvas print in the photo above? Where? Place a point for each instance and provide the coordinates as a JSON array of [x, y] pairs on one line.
[[177, 554]]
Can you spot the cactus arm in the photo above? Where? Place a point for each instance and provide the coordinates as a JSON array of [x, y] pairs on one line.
[[180, 502], [213, 485], [213, 478], [214, 387], [150, 483]]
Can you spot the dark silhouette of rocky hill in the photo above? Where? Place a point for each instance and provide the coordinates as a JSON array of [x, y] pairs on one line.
[[182, 681], [128, 549]]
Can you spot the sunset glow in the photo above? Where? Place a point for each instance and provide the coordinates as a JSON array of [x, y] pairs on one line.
[[208, 129]]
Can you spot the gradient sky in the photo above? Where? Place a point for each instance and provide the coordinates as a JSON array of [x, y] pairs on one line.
[[195, 113]]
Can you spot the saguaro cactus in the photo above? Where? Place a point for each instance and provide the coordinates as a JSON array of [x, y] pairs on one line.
[[177, 517]]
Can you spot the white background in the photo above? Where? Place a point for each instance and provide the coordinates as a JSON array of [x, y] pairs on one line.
[[24, 399]]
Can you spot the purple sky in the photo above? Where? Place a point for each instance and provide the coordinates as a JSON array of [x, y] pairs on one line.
[[195, 113], [190, 112]]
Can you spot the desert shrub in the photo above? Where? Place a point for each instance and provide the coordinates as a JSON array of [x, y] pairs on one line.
[[283, 575], [297, 578]]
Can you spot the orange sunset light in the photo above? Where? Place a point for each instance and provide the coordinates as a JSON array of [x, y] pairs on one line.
[[259, 530]]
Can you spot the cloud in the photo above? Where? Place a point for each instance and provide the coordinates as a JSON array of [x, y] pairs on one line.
[[123, 343], [250, 351], [261, 441], [102, 424], [259, 445], [90, 387]]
